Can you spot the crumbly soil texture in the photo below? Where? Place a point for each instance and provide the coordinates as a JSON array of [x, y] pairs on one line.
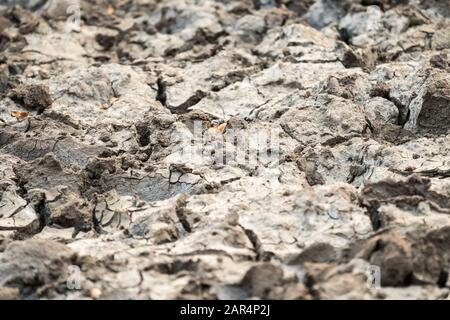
[[99, 101]]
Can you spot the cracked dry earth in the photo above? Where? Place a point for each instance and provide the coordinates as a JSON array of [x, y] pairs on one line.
[[92, 119]]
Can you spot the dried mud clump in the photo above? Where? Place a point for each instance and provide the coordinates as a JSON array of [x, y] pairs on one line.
[[184, 149], [35, 97], [435, 113], [34, 266]]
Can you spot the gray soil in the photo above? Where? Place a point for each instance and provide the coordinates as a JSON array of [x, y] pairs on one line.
[[95, 192]]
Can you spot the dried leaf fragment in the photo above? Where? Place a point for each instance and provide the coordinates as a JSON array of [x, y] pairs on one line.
[[19, 115], [110, 10], [220, 128]]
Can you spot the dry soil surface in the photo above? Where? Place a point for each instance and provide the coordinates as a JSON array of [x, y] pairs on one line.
[[106, 191]]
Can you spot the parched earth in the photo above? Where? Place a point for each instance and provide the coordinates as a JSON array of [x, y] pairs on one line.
[[100, 99]]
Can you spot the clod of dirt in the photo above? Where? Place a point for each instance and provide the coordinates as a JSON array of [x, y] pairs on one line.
[[33, 264], [435, 112], [33, 96], [261, 279], [24, 19], [440, 61], [412, 257], [407, 195], [317, 253], [391, 133]]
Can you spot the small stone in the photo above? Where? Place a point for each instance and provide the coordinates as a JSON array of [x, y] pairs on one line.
[[95, 293], [380, 110]]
